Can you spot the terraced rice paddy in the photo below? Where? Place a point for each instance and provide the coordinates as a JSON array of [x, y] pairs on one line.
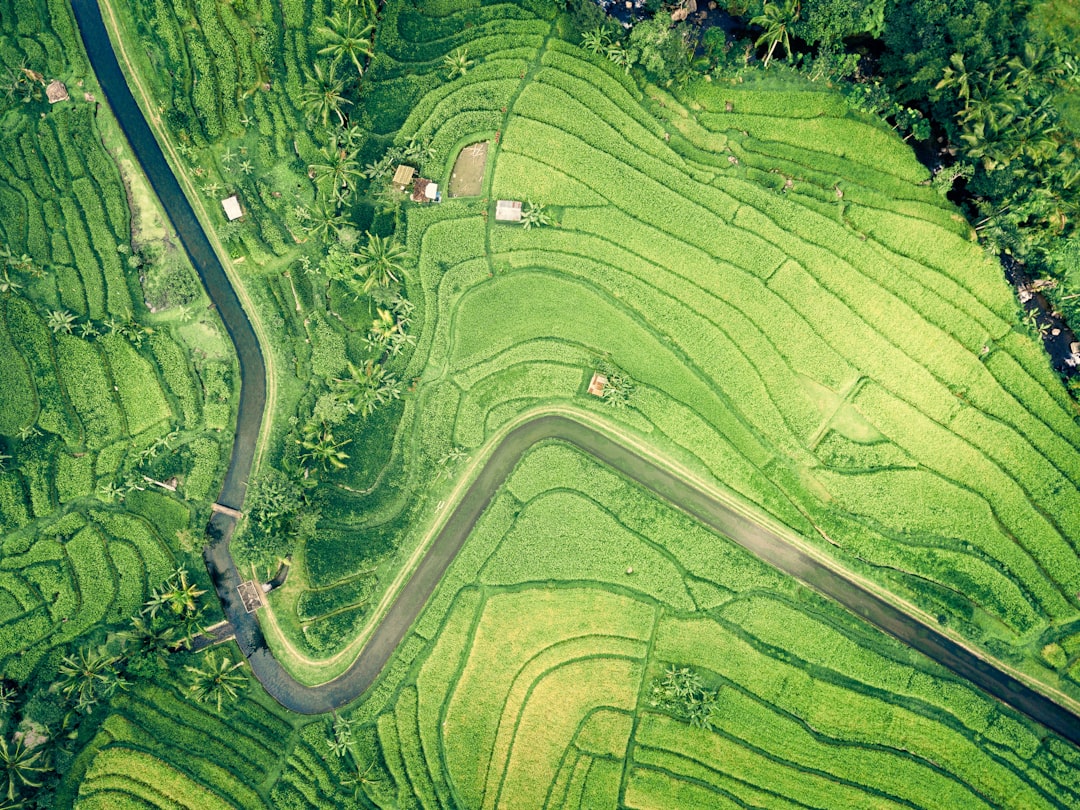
[[158, 749], [96, 393], [533, 686], [805, 320]]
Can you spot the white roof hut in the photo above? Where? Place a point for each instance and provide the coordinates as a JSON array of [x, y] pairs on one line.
[[232, 208], [508, 211]]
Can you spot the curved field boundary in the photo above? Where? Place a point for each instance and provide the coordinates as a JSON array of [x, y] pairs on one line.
[[727, 518]]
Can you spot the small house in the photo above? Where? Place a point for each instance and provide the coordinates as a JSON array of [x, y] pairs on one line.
[[56, 91], [233, 211], [508, 211], [403, 176], [425, 191], [597, 384]]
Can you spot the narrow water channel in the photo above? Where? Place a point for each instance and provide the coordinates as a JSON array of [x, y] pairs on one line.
[[416, 592]]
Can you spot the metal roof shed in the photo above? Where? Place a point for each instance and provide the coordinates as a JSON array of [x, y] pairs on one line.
[[232, 207], [508, 211]]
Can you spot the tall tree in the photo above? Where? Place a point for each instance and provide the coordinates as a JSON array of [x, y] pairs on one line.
[[339, 166], [89, 676], [22, 767], [216, 680], [380, 262], [322, 96], [776, 19], [347, 37]]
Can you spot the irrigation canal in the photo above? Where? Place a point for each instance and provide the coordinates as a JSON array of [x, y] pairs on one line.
[[414, 595]]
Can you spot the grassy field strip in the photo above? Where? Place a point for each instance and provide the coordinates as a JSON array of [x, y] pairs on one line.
[[179, 169]]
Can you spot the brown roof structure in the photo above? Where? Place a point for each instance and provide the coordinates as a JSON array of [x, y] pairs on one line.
[[597, 384], [508, 211], [424, 190], [403, 176], [56, 91]]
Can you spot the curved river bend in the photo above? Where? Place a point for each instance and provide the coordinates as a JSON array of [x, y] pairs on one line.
[[412, 598]]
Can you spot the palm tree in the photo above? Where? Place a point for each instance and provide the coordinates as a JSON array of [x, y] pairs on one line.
[[324, 221], [321, 447], [366, 390], [109, 491], [357, 782], [88, 330], [60, 320], [596, 41], [957, 75], [533, 216], [458, 62], [9, 284], [339, 166], [322, 96], [383, 327], [776, 19], [147, 642], [380, 262], [343, 736], [347, 38], [417, 150], [89, 676], [216, 681], [179, 595], [21, 767]]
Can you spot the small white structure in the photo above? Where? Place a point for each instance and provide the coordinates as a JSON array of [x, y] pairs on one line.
[[508, 211], [232, 208], [431, 191]]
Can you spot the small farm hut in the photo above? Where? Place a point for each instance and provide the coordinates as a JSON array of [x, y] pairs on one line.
[[597, 384], [232, 208], [508, 211], [56, 91], [425, 191], [403, 176]]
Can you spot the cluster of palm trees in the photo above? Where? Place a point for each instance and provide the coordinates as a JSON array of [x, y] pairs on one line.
[[682, 692], [340, 742], [89, 676], [1008, 126], [347, 39], [62, 321]]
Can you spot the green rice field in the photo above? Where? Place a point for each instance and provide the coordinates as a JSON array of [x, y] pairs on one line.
[[98, 394], [805, 321], [803, 318], [783, 305], [532, 673]]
